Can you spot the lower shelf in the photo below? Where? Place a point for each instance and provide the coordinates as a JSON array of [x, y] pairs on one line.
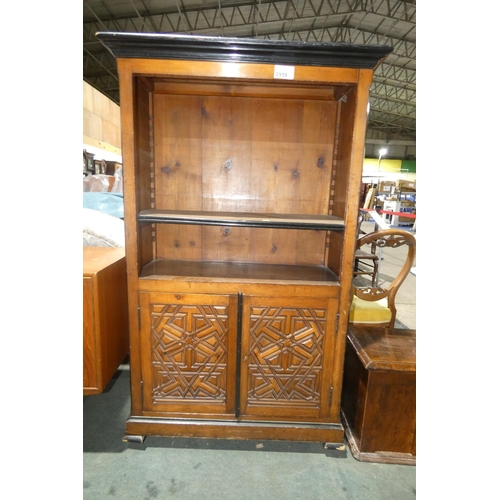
[[232, 271]]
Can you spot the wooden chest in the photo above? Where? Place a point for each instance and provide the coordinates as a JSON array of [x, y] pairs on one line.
[[379, 394], [105, 316]]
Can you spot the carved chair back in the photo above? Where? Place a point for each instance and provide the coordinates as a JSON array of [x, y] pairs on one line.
[[388, 238]]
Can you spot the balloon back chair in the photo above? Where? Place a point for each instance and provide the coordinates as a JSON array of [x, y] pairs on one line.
[[375, 305]]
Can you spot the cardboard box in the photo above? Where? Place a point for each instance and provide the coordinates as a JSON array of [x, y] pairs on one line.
[[386, 187], [406, 220], [407, 185], [404, 208]]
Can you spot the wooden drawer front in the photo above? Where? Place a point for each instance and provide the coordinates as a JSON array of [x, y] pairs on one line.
[[188, 345], [287, 356]]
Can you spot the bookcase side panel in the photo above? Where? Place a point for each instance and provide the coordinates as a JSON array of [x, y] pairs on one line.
[[144, 184]]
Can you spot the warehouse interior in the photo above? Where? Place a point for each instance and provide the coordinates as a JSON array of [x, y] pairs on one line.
[[390, 144], [388, 180], [110, 467]]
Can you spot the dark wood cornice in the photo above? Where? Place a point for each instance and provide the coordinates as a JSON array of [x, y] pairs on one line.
[[204, 48]]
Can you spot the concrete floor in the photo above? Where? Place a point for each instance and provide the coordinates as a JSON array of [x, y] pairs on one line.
[[188, 469]]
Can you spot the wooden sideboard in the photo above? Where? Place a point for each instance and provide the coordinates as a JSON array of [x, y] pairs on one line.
[[242, 168], [105, 316]]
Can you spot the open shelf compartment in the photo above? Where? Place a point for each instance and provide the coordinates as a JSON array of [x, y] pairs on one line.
[[239, 272]]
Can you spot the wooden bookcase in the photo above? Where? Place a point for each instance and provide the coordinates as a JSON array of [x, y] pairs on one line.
[[242, 167]]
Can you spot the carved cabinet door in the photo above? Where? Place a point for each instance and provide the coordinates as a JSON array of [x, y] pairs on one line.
[[287, 357], [188, 352]]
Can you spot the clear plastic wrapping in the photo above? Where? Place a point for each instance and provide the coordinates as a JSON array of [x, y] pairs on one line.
[[96, 184], [118, 184]]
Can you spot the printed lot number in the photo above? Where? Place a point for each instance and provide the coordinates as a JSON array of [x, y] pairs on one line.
[[284, 72]]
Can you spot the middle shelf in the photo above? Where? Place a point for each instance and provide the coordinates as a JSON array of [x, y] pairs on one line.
[[239, 272], [244, 219]]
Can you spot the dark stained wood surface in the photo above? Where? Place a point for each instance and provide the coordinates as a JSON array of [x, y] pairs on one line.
[[379, 394], [385, 348], [209, 48]]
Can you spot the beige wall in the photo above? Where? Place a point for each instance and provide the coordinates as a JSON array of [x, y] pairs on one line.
[[101, 121]]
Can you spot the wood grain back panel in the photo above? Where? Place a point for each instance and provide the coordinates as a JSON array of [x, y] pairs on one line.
[[218, 152], [227, 153], [177, 149]]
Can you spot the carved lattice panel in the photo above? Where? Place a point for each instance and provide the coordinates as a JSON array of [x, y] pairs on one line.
[[189, 352], [286, 355]]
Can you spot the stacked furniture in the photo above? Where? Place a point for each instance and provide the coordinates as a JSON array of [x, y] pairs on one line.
[[242, 168]]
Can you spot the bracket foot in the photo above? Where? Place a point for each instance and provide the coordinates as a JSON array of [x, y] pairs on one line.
[[334, 446], [131, 438]]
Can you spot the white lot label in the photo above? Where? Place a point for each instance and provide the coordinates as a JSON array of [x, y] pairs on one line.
[[284, 72]]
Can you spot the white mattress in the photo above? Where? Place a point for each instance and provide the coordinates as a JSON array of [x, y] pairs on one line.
[[102, 230]]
